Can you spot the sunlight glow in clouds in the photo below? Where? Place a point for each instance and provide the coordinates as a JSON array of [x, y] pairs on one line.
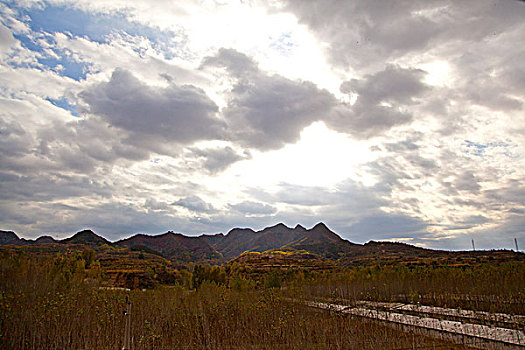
[[312, 161], [438, 73]]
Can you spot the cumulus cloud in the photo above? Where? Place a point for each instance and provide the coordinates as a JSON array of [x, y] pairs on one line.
[[367, 33], [382, 101], [268, 111], [154, 115], [253, 208], [218, 159], [195, 204], [235, 62], [391, 85]]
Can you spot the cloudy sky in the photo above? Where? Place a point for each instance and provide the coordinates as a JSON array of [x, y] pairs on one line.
[[400, 120]]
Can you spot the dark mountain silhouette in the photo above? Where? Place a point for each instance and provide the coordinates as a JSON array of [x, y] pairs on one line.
[[319, 240], [9, 237], [45, 239], [173, 246], [86, 237]]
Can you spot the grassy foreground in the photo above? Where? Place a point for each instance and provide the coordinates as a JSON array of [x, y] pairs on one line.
[[57, 303]]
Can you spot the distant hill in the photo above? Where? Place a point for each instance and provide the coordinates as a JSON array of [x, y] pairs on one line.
[[9, 237], [45, 240], [221, 248], [86, 237], [373, 253], [173, 246], [319, 240]]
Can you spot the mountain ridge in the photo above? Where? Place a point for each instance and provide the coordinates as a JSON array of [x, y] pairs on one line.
[[177, 246], [86, 236], [220, 248]]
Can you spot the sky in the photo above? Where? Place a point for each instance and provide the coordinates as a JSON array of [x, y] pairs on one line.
[[400, 121]]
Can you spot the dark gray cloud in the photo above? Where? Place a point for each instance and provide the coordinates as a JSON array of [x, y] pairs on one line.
[[218, 159], [195, 204], [235, 62], [341, 207], [154, 116], [467, 181], [51, 186], [366, 33], [154, 205], [391, 85], [362, 32], [82, 146], [272, 111], [512, 193], [381, 102], [409, 144], [253, 208], [498, 236], [386, 226], [268, 111]]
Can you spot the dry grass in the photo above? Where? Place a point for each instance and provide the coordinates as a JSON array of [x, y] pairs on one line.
[[54, 304]]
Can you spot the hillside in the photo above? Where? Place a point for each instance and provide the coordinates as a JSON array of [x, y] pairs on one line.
[[173, 246], [220, 248], [9, 237], [387, 253], [319, 240], [260, 263], [86, 237]]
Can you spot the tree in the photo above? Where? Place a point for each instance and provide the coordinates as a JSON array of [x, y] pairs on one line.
[[89, 256]]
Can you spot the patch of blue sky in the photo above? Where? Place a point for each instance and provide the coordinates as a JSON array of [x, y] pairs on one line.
[[97, 27], [65, 66], [475, 148], [53, 19], [28, 42], [51, 58], [45, 20], [64, 104], [284, 44], [478, 149]]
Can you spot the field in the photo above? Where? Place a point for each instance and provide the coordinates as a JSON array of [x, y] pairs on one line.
[[56, 302]]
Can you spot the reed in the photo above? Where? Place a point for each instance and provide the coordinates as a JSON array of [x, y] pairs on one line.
[[55, 304]]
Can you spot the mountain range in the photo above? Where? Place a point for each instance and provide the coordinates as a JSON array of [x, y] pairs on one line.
[[318, 240]]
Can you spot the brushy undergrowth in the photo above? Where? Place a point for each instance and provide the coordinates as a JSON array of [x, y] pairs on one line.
[[57, 304]]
